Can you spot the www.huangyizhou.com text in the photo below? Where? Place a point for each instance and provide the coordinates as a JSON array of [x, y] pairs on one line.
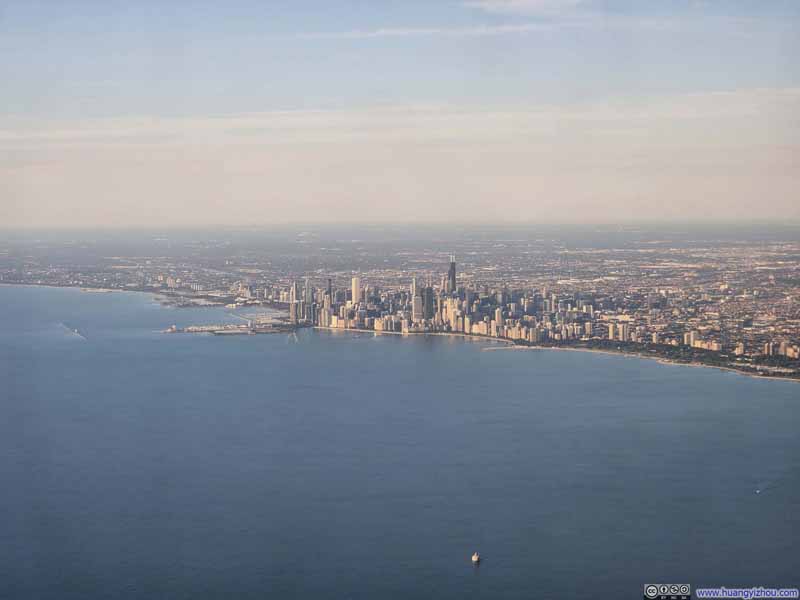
[[747, 593]]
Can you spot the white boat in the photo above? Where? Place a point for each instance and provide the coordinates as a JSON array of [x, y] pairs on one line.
[[476, 558]]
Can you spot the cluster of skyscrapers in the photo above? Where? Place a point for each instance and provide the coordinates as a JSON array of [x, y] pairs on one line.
[[532, 316]]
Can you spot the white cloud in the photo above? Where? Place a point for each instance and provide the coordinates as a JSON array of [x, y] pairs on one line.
[[480, 30], [526, 7], [415, 122], [556, 20], [706, 153]]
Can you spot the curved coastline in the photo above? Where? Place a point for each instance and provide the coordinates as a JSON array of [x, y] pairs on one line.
[[658, 359], [506, 343], [464, 336], [510, 345], [155, 295]]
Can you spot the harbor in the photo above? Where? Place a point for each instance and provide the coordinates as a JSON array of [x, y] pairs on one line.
[[230, 329], [252, 324]]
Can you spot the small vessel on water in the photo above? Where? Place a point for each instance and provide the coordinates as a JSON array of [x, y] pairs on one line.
[[476, 558]]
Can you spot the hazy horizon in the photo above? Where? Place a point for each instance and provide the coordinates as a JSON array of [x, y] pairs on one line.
[[459, 112], [627, 225]]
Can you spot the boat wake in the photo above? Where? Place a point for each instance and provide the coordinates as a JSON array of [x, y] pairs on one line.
[[73, 331], [770, 484]]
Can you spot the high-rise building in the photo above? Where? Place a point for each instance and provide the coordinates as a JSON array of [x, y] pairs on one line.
[[428, 308], [416, 309], [356, 289], [451, 276]]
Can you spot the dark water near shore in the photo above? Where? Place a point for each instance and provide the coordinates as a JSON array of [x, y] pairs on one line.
[[140, 465]]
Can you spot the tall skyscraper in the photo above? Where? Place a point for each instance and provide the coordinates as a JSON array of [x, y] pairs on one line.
[[451, 276], [416, 309], [356, 289], [428, 307]]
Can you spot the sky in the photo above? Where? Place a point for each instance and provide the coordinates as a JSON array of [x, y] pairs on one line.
[[257, 113]]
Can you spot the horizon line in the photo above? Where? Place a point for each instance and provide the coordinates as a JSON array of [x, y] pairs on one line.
[[785, 223]]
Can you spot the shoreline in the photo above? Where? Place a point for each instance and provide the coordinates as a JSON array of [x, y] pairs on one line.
[[155, 295], [507, 344], [510, 345], [78, 288], [658, 359], [475, 338]]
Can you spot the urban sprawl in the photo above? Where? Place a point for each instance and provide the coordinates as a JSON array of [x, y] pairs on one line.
[[734, 306]]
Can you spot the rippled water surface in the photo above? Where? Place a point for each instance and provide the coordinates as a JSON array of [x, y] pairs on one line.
[[136, 464]]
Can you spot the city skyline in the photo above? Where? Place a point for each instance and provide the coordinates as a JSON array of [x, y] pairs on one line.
[[723, 298], [415, 112], [399, 299]]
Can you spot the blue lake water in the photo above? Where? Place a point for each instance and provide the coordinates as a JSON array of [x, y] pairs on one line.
[[136, 464]]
